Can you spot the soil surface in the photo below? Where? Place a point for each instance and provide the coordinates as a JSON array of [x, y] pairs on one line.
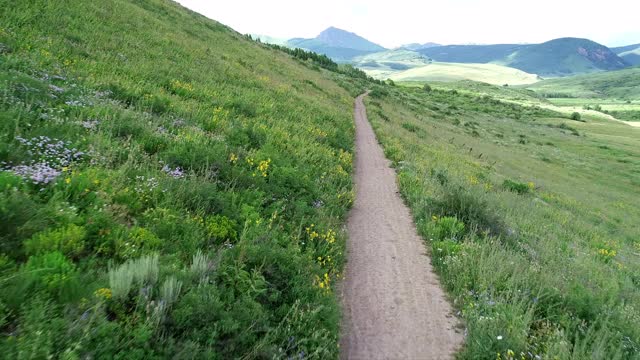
[[393, 305]]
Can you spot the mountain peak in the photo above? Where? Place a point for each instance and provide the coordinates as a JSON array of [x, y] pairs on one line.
[[335, 37]]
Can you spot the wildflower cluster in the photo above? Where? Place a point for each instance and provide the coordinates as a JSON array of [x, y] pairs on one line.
[[318, 132], [103, 293], [607, 251], [49, 157], [324, 282], [39, 174], [90, 125], [261, 168], [311, 232], [178, 85], [345, 158], [53, 152], [176, 173], [146, 185]]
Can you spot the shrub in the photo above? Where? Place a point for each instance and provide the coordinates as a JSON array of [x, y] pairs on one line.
[[426, 88], [517, 187], [576, 116], [469, 207], [68, 240], [138, 241], [170, 290], [410, 127], [139, 271], [447, 227], [220, 228], [52, 272], [200, 265]]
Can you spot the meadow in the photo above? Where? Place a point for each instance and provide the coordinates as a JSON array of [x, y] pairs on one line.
[[530, 217], [488, 73], [168, 187], [171, 188]]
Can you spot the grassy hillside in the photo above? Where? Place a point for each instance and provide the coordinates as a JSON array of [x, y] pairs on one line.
[[622, 84], [382, 65], [488, 73], [531, 218], [559, 57], [169, 189], [470, 53]]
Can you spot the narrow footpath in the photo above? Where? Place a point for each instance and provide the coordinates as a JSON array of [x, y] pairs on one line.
[[393, 305]]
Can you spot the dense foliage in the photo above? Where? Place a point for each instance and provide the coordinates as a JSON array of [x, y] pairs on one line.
[[168, 187]]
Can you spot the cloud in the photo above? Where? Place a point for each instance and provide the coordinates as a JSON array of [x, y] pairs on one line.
[[395, 22]]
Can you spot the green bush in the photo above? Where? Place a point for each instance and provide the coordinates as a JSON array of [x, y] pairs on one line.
[[52, 272], [138, 241], [470, 207], [220, 229], [514, 186], [134, 272], [410, 127], [576, 116], [68, 240], [447, 227]]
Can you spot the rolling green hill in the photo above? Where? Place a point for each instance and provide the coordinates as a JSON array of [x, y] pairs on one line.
[[337, 44], [559, 57], [470, 53], [621, 84], [487, 73], [157, 173]]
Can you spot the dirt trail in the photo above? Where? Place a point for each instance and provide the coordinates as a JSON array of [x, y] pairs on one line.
[[393, 305]]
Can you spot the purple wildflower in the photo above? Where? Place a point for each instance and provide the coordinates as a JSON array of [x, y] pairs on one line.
[[90, 124], [176, 173], [39, 174]]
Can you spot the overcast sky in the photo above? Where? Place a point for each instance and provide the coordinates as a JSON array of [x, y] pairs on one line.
[[395, 22]]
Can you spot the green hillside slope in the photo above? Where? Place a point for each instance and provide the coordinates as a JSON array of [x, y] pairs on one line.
[[530, 217], [470, 53], [622, 84], [169, 189], [488, 73]]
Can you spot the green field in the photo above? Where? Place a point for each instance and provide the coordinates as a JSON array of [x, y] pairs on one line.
[[170, 188], [449, 72], [530, 217], [621, 84], [488, 73], [627, 110], [158, 173]]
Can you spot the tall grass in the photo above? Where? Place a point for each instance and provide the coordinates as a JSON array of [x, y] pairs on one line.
[[535, 241]]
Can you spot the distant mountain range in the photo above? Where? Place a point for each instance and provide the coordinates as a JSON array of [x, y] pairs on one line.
[[337, 44], [559, 57], [630, 53], [416, 46], [555, 58]]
